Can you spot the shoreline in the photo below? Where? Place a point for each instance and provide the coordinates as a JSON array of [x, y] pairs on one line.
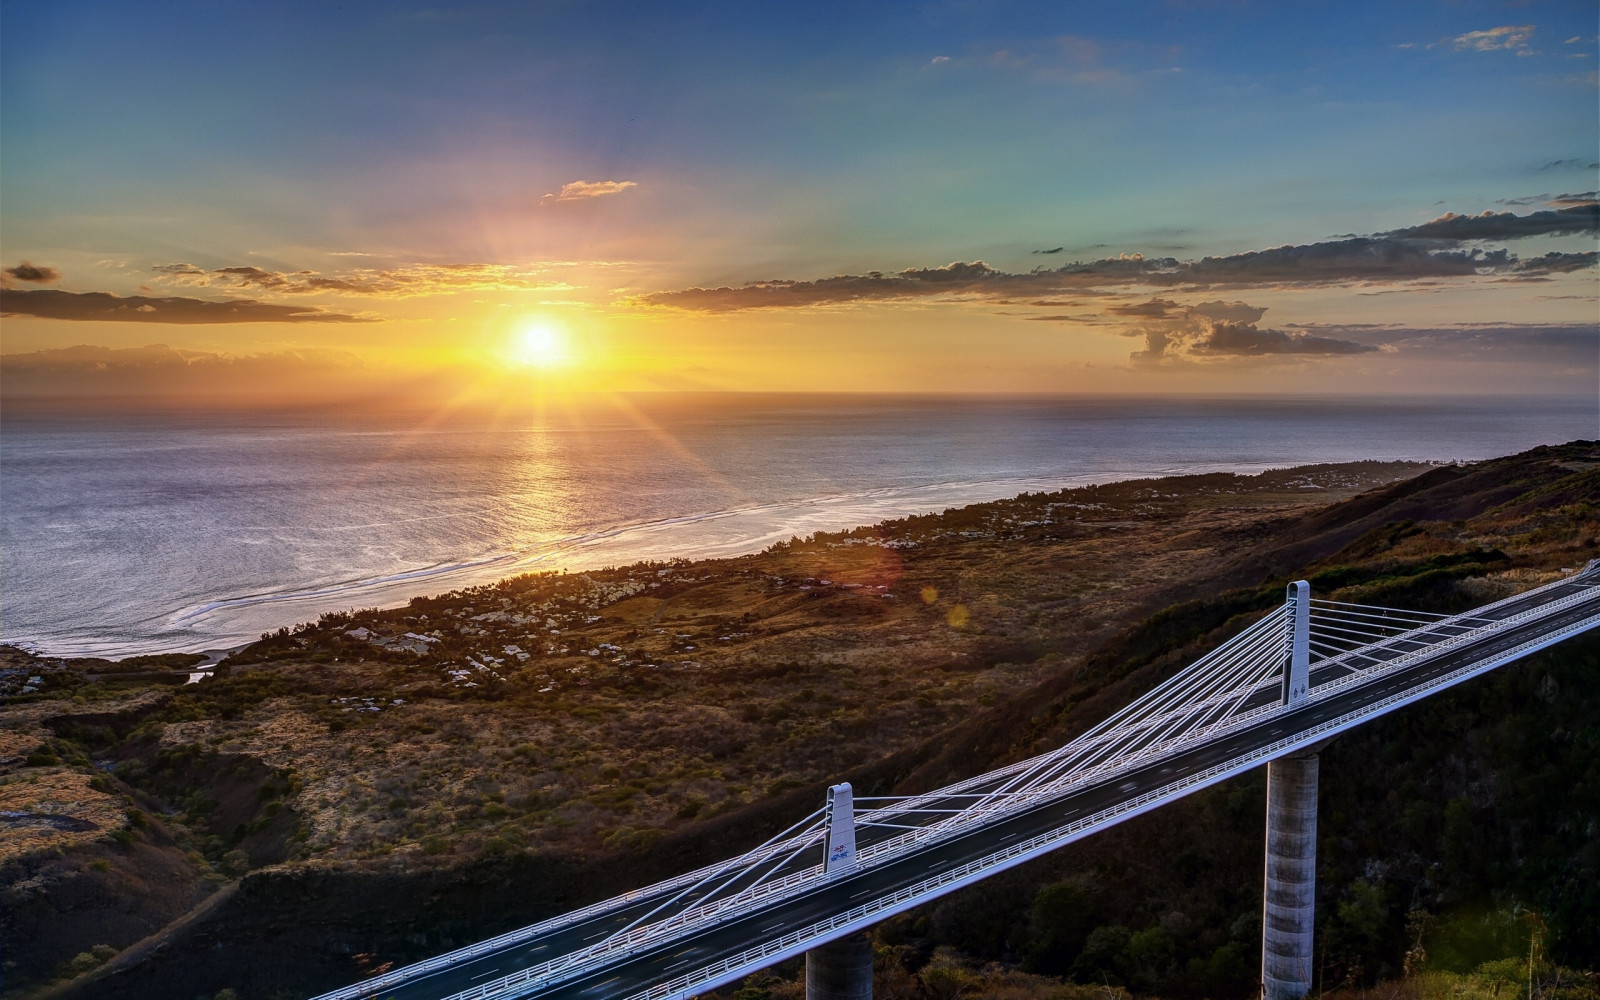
[[397, 589], [601, 723]]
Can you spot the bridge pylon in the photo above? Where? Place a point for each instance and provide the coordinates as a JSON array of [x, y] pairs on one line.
[[842, 969], [1289, 892]]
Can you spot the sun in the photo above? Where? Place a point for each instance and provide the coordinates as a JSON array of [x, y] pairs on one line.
[[540, 344]]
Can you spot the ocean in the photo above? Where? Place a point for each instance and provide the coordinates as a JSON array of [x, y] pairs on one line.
[[124, 535]]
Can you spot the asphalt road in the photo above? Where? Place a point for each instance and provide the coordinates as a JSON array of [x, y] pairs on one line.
[[630, 974]]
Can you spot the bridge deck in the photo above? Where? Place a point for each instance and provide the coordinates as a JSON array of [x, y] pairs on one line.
[[702, 955]]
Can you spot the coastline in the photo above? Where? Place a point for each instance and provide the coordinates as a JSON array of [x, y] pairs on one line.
[[236, 621], [278, 521], [593, 731]]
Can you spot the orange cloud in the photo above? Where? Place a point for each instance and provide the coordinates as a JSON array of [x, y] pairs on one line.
[[585, 190]]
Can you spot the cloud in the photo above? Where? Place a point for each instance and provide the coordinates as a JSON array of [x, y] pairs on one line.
[[1581, 217], [1245, 339], [1229, 312], [1217, 330], [1054, 250], [585, 190], [1507, 37], [36, 273], [952, 279], [1154, 309], [395, 282], [1571, 163], [1432, 250], [49, 303], [1336, 261], [1350, 261], [1573, 346], [1556, 262], [1578, 199]]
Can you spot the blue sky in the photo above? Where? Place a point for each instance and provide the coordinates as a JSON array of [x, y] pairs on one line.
[[766, 141]]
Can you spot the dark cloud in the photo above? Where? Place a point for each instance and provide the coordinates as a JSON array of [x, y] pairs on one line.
[[1583, 216], [1432, 250], [1571, 163], [36, 273], [1219, 330], [1578, 199], [1244, 339], [1229, 312], [1052, 250], [1556, 262], [255, 277], [1574, 346], [1155, 308], [1358, 259], [954, 278], [55, 304]]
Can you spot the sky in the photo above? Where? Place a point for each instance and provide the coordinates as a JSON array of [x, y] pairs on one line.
[[277, 201]]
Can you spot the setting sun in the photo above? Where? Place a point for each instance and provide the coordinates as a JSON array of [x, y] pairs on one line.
[[540, 344]]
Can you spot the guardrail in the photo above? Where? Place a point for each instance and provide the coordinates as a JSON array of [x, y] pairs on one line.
[[1005, 805], [568, 966], [798, 942]]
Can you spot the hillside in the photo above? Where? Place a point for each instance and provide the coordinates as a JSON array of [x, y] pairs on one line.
[[385, 785]]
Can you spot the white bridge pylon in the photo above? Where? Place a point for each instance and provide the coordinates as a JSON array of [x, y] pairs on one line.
[[1302, 651]]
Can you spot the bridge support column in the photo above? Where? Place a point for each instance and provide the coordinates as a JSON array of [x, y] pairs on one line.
[[840, 970], [1290, 893]]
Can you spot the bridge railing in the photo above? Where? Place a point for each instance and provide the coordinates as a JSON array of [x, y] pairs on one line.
[[1447, 642], [1009, 804], [799, 941], [991, 807]]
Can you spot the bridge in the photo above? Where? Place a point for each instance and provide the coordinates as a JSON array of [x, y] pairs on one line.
[[1273, 694]]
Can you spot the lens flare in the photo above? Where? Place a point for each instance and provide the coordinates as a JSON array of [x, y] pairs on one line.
[[540, 344]]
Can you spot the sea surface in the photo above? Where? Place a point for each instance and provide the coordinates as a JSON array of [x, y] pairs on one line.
[[124, 535]]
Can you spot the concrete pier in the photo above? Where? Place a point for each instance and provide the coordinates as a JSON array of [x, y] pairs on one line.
[[840, 970], [1290, 894]]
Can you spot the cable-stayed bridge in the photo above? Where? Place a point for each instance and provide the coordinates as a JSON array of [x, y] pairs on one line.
[[1296, 677]]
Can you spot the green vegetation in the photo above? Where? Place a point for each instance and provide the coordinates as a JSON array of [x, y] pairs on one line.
[[517, 749]]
